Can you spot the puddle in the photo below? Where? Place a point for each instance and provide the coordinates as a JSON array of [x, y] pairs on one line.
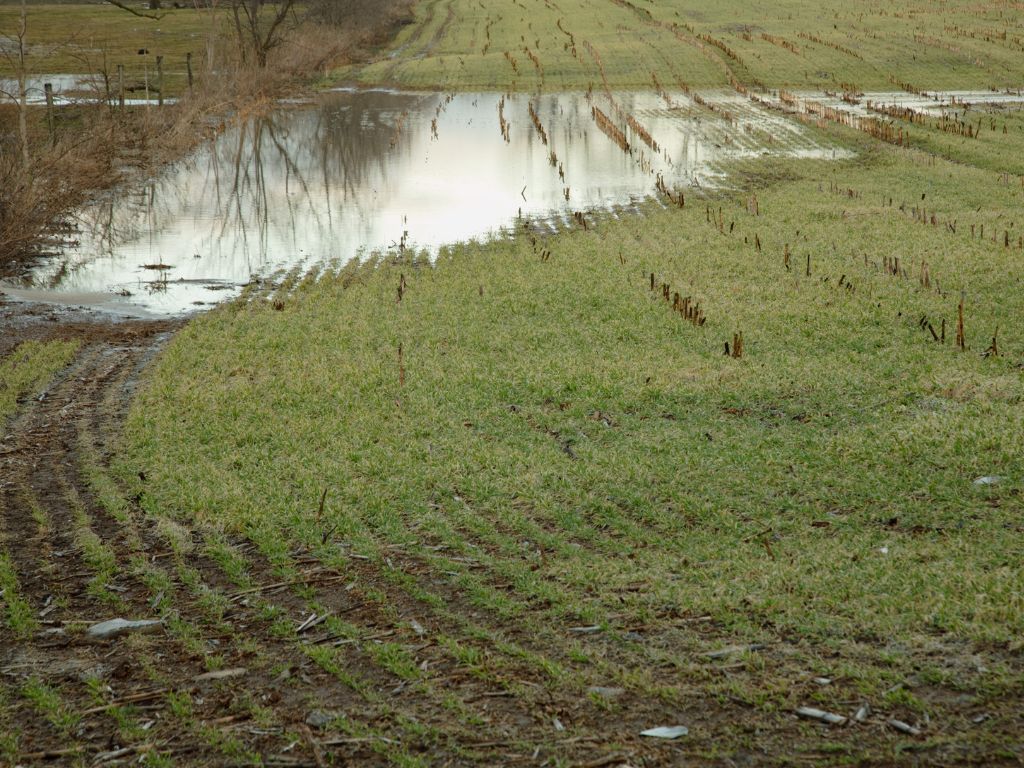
[[933, 104], [360, 171], [108, 304], [78, 89], [67, 89]]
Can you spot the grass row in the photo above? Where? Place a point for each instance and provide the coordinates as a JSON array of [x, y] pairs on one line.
[[24, 371], [28, 368]]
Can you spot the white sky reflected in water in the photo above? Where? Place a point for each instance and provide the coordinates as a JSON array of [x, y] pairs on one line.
[[354, 172]]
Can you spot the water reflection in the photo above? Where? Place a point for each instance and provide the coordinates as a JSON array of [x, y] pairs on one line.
[[367, 170]]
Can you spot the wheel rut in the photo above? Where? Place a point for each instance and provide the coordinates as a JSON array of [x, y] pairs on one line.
[[230, 675], [193, 690]]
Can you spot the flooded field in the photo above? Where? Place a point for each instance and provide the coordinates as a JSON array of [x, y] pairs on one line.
[[932, 104], [359, 171], [587, 383]]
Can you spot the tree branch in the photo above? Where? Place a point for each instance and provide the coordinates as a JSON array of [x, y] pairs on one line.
[[282, 13], [124, 7]]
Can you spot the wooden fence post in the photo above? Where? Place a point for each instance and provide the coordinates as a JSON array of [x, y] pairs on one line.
[[188, 68], [160, 80], [120, 86], [48, 88]]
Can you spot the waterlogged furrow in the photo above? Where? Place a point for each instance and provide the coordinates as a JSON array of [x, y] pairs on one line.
[[115, 558], [19, 617]]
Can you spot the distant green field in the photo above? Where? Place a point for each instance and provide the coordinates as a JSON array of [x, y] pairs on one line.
[[864, 45], [463, 43], [88, 39]]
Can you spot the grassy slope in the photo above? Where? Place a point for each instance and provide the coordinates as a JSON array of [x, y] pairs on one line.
[[842, 411], [566, 451]]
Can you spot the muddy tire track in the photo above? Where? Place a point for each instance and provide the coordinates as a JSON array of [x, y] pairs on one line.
[[415, 41], [219, 679], [77, 564]]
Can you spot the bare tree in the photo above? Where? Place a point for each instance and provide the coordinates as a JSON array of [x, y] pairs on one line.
[[19, 63], [260, 29], [23, 86], [154, 5]]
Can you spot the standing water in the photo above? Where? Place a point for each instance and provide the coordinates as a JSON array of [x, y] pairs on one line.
[[360, 171]]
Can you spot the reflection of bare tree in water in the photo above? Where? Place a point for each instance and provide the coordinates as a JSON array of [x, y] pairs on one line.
[[354, 137], [272, 181], [246, 195], [104, 226], [272, 142], [346, 145]]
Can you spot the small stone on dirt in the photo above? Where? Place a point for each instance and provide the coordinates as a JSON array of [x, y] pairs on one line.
[[819, 714], [319, 718], [107, 630], [903, 727], [221, 674], [732, 650], [666, 732], [987, 480]]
